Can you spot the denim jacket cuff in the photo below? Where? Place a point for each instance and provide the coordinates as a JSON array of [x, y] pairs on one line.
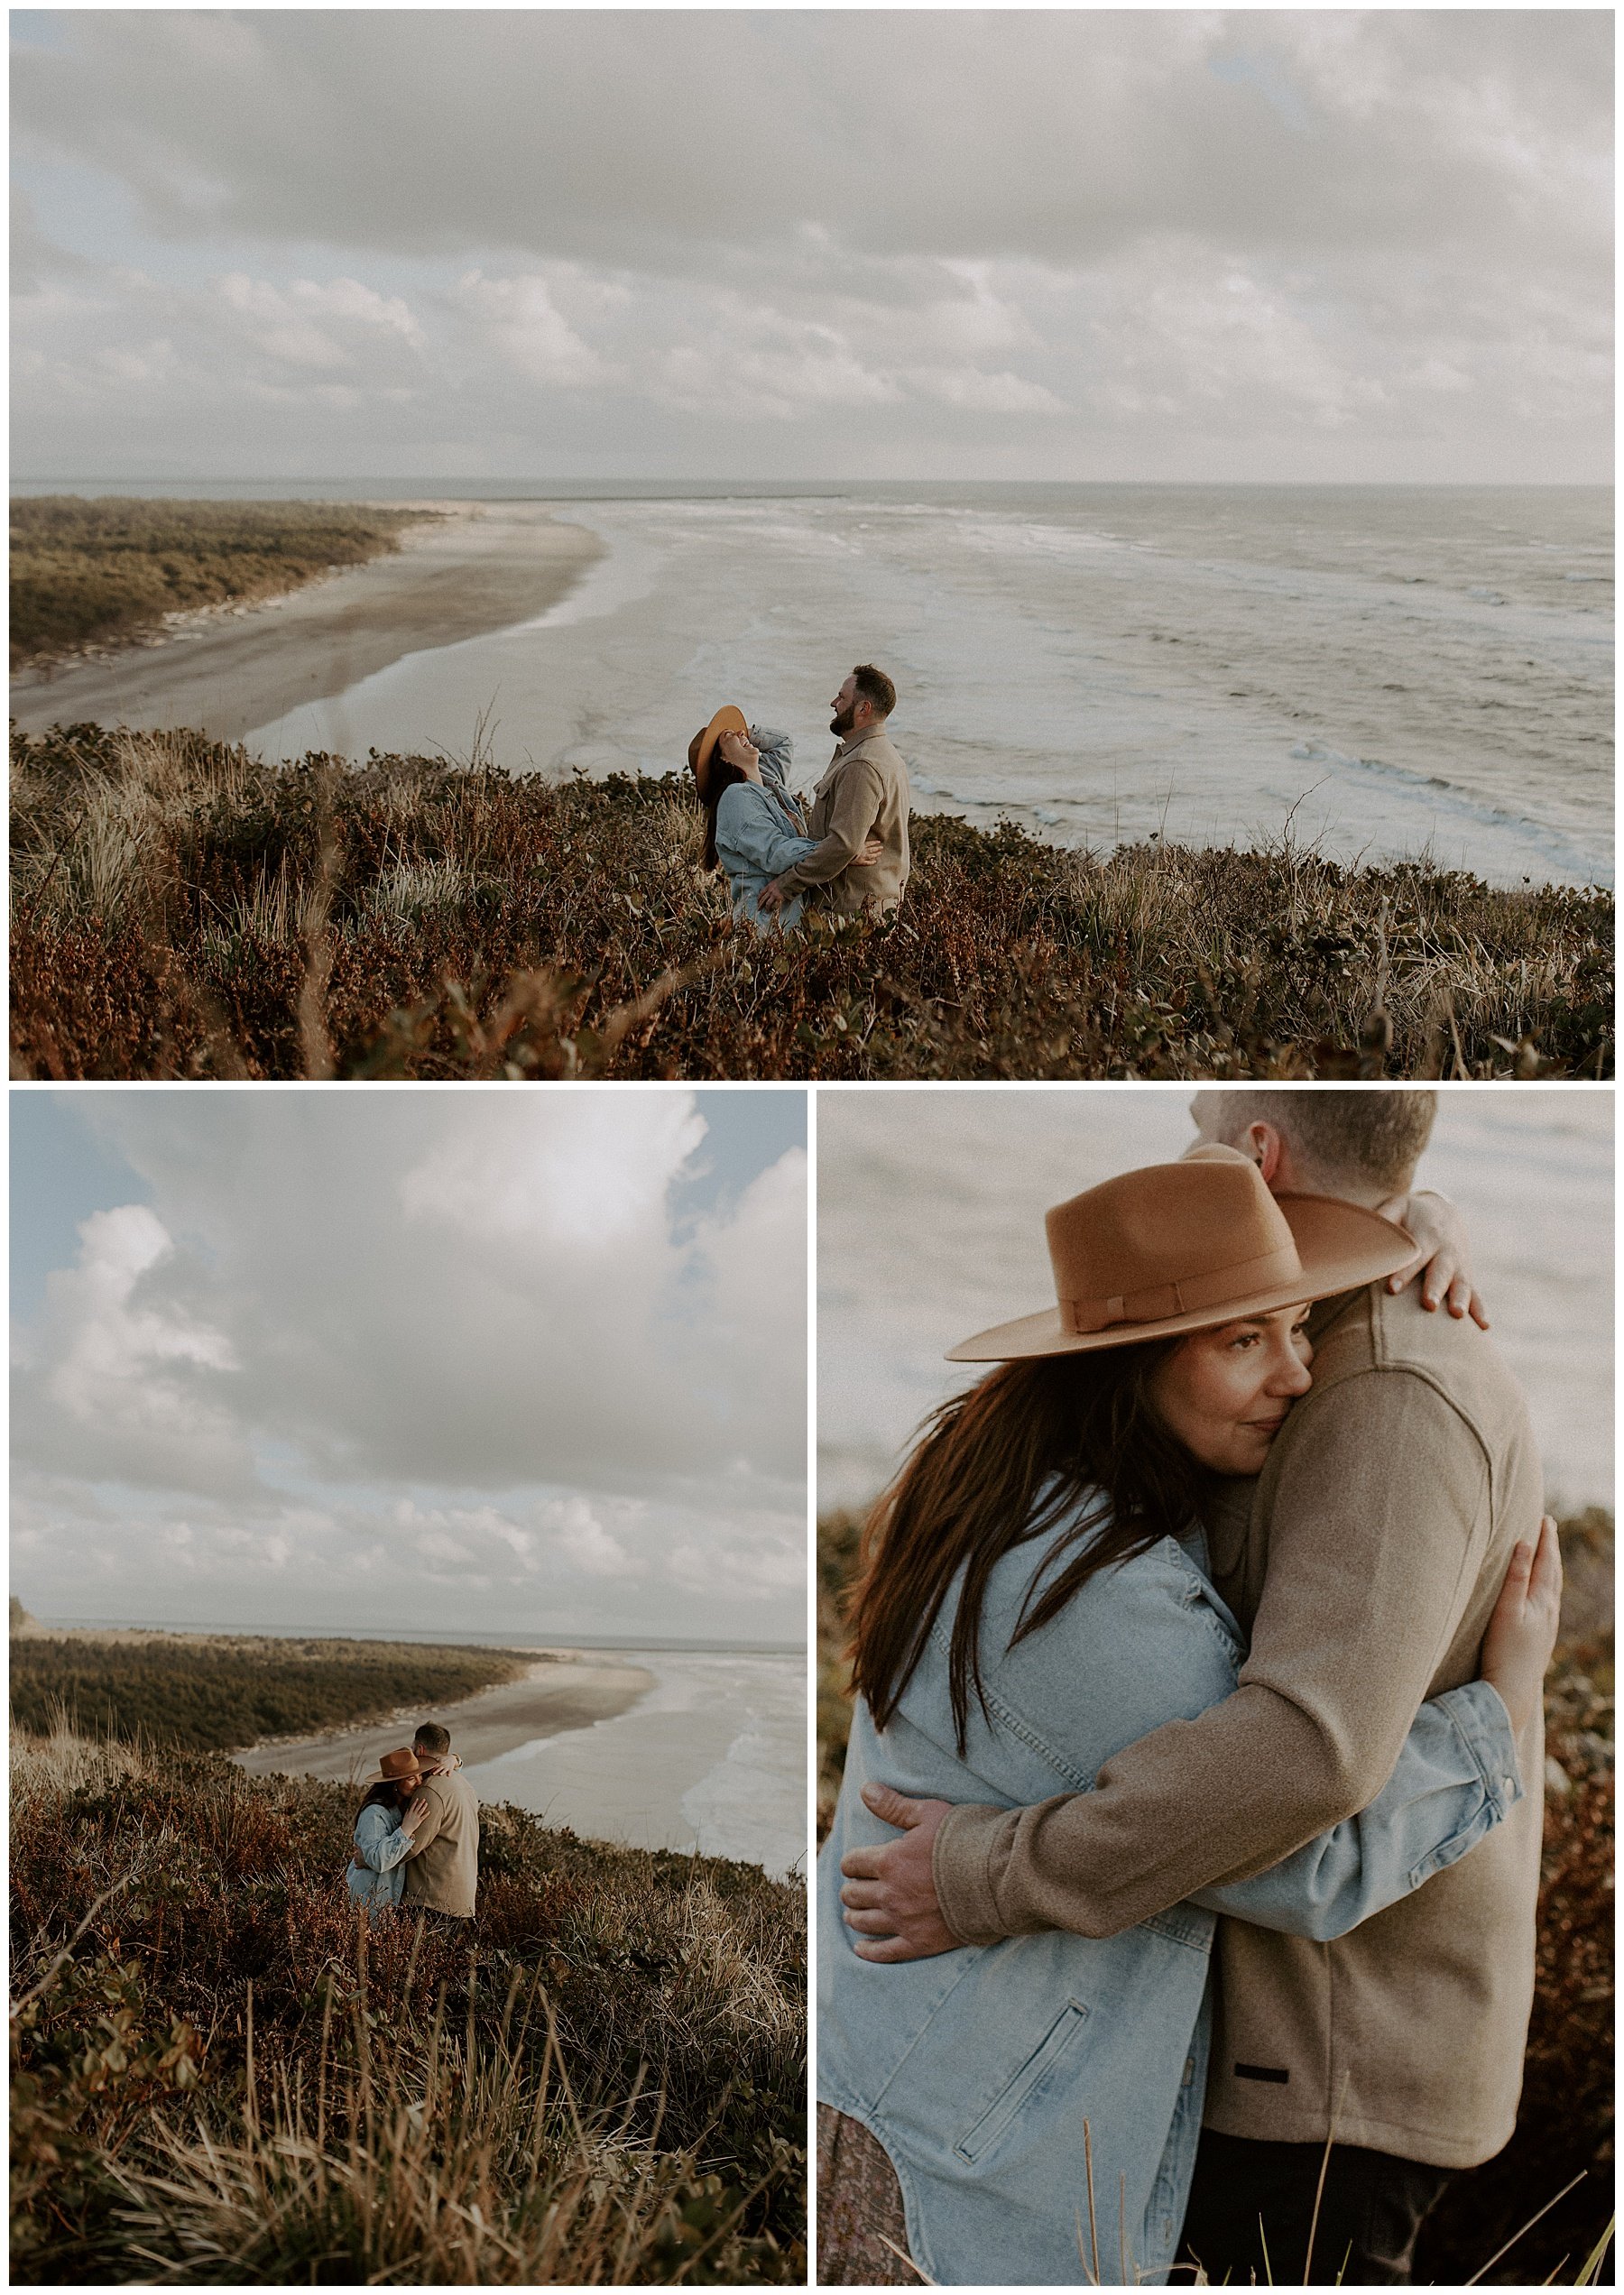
[[961, 1867], [1484, 1726]]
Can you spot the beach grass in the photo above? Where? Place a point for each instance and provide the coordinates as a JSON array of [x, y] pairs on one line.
[[110, 571], [222, 2074], [181, 910], [221, 1692], [1564, 2123]]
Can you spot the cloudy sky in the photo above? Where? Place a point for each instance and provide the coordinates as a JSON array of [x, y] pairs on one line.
[[511, 1361], [456, 245]]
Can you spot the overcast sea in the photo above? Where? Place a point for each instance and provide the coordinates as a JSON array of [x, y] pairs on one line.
[[930, 1227], [712, 1758], [1392, 669]]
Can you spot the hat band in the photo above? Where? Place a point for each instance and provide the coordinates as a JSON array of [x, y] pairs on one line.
[[1189, 1296]]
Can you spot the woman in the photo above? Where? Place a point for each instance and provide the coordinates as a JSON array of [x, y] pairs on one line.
[[384, 1833], [753, 827], [1035, 1596]]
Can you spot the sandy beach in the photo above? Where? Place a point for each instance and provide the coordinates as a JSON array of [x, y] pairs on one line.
[[559, 1693], [473, 568]]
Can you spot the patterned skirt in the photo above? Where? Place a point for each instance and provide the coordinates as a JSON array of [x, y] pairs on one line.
[[859, 2209]]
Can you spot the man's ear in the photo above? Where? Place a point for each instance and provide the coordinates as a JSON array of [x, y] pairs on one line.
[[1266, 1148]]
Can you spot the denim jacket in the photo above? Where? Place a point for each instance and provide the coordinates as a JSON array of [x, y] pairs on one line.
[[981, 2069], [758, 833], [377, 1872]]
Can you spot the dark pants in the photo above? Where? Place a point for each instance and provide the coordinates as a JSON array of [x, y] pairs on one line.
[[1370, 2210]]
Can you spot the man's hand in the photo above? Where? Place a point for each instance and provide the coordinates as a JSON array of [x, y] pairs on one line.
[[772, 895], [889, 1893], [1443, 1259]]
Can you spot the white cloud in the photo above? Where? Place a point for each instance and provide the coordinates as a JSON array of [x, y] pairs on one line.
[[584, 1541], [519, 319]]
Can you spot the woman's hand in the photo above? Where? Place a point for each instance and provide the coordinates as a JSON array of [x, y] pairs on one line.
[[414, 1812], [867, 853], [1522, 1632], [1443, 1258]]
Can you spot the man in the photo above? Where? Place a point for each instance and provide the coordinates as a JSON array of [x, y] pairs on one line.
[[1365, 1561], [864, 794], [442, 1872]]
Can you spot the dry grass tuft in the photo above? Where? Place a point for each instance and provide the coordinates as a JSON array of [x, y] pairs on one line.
[[180, 910]]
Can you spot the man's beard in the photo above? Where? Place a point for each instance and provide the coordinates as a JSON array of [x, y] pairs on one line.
[[844, 720]]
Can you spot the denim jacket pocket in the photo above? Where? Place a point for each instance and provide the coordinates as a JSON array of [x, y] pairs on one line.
[[1023, 2084]]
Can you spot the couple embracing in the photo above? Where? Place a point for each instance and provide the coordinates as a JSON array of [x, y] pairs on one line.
[[849, 848], [416, 1841], [1191, 1820]]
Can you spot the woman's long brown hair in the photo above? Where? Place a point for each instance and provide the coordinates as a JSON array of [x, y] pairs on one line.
[[997, 1467], [721, 776]]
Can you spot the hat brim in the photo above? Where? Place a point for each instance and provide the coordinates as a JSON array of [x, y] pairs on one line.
[[728, 719], [1341, 1245]]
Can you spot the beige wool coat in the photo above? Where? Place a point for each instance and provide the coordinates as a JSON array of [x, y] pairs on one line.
[[864, 789], [1365, 1563], [442, 1869]]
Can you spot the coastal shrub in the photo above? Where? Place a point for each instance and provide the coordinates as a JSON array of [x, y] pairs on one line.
[[223, 2074], [181, 910], [228, 1691], [1564, 2121], [87, 573]]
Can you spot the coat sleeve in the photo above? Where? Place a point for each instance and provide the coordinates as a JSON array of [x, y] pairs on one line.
[[777, 750], [1377, 1530], [750, 835], [858, 796], [1456, 1780], [380, 1847]]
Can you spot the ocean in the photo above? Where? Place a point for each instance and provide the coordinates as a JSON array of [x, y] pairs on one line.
[[1380, 671], [712, 1758], [930, 1227]]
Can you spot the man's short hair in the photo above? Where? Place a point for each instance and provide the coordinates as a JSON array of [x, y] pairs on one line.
[[875, 686], [1369, 1138], [432, 1738]]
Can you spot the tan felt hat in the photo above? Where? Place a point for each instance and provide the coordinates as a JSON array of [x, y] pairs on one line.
[[702, 748], [393, 1767], [1184, 1247]]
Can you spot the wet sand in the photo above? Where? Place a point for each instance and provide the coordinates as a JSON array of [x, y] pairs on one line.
[[477, 568], [557, 1694]]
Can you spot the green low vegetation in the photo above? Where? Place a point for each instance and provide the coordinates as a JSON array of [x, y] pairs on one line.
[[223, 2074], [106, 572], [181, 910], [222, 1693], [1564, 2123]]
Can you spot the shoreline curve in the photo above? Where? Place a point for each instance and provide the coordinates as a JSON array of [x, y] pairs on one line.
[[470, 570], [548, 1701]]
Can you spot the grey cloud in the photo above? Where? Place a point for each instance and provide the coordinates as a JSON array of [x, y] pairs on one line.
[[1306, 243], [639, 138]]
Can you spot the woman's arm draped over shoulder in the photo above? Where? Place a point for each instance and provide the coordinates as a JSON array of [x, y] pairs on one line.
[[1343, 1646]]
